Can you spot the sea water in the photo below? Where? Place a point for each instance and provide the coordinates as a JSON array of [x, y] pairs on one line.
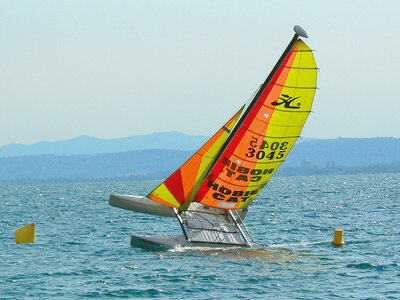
[[82, 248]]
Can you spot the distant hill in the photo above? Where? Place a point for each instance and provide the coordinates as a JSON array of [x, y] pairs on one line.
[[140, 162], [91, 145], [346, 152], [343, 155]]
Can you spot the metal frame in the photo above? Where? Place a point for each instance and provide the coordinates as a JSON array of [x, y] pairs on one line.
[[231, 221]]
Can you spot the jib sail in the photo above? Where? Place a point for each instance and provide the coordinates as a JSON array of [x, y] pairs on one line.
[[179, 189]]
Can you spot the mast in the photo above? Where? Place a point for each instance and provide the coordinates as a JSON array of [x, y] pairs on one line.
[[298, 32]]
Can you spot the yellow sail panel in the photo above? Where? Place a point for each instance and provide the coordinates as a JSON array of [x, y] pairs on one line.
[[179, 189], [164, 196], [265, 134]]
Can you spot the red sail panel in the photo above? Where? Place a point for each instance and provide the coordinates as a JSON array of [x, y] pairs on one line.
[[266, 134]]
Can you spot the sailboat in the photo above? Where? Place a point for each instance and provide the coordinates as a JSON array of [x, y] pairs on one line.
[[210, 193]]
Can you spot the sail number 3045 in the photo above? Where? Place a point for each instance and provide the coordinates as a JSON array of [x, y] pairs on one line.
[[276, 150]]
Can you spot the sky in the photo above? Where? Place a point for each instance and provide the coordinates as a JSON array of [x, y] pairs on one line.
[[113, 69]]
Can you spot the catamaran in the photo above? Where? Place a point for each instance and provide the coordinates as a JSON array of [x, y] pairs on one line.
[[210, 193]]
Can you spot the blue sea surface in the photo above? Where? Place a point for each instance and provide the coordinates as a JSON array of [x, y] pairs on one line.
[[82, 248]]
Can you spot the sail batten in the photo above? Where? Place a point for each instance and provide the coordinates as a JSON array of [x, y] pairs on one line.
[[298, 68], [292, 112], [296, 87]]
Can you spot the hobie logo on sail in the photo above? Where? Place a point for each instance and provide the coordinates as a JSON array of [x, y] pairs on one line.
[[287, 102], [224, 194]]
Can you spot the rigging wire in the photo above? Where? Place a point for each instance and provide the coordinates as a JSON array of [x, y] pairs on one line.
[[247, 230]]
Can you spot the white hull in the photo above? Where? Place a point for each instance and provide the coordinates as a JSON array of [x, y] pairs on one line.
[[202, 226], [160, 243], [141, 204]]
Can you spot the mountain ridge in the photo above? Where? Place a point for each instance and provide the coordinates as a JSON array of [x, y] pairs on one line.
[[85, 144], [309, 157]]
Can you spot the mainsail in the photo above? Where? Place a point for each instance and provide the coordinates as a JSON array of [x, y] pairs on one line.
[[266, 132], [236, 163]]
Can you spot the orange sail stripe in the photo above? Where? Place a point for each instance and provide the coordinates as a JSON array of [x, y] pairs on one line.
[[189, 174], [158, 199]]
